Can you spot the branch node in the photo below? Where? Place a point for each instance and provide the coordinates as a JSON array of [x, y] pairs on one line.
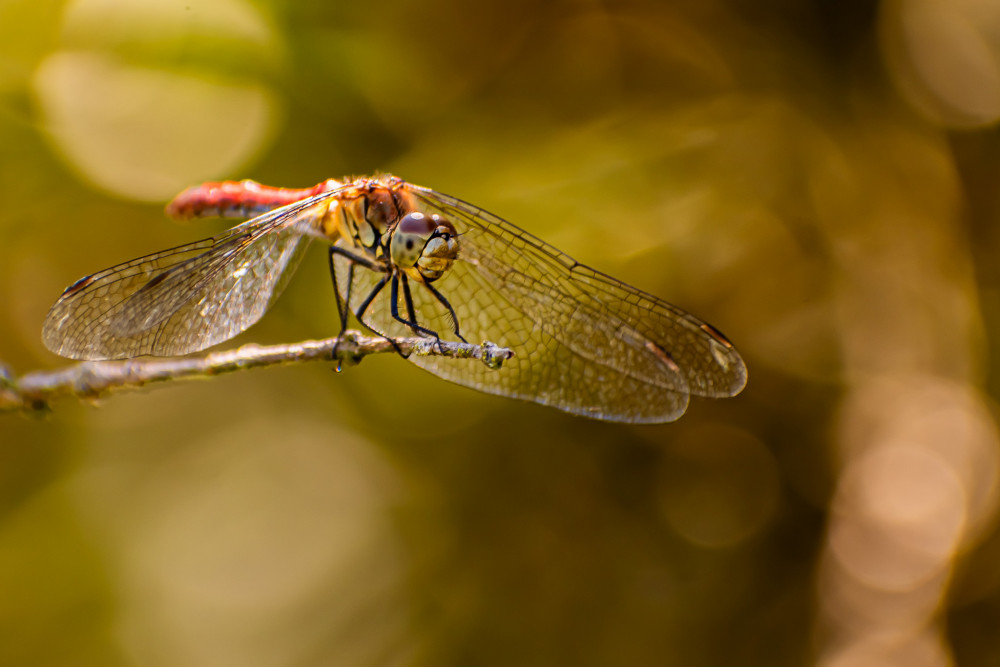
[[494, 355]]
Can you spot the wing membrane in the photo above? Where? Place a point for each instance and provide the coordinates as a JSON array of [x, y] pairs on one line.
[[608, 313], [183, 299], [583, 341]]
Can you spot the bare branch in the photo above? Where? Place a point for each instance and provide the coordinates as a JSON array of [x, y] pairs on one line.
[[93, 379]]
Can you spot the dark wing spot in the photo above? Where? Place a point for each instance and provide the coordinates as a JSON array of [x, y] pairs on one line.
[[662, 355], [156, 280], [717, 335], [78, 285]]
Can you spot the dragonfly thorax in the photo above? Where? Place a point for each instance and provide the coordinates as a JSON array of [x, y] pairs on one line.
[[364, 217]]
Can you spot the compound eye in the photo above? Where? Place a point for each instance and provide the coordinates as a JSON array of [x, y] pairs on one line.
[[417, 223], [410, 236]]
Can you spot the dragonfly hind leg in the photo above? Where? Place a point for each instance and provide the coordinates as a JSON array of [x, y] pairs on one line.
[[342, 306]]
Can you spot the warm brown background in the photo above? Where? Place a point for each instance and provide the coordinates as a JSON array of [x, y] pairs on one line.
[[818, 179]]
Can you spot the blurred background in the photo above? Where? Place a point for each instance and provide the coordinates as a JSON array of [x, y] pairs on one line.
[[817, 179]]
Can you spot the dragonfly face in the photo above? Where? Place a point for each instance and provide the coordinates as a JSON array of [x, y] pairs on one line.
[[407, 260], [424, 246]]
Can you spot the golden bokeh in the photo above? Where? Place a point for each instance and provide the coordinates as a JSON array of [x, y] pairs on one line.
[[816, 179]]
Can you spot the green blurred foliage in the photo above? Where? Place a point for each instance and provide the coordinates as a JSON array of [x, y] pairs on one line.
[[766, 165]]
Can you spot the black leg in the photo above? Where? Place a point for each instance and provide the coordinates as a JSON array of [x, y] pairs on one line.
[[360, 312], [347, 295], [408, 299], [366, 262], [417, 329], [451, 311], [411, 313], [342, 303], [363, 308]]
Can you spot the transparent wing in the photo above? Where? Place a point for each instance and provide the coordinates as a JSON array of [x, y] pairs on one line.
[[183, 299], [583, 341]]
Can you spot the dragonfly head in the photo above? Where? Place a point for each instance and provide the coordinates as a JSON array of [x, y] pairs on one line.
[[423, 245]]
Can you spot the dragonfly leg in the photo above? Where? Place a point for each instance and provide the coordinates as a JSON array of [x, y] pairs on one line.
[[412, 322], [411, 313], [343, 304], [408, 300], [360, 312], [342, 307], [444, 302], [355, 258]]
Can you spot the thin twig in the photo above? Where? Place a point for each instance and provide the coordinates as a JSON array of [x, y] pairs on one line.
[[93, 379]]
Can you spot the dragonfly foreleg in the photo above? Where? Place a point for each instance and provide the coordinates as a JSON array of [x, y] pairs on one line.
[[451, 311]]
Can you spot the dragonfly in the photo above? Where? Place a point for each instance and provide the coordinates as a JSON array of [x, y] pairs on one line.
[[407, 261]]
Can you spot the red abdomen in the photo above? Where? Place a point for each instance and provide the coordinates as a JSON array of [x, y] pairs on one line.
[[237, 199]]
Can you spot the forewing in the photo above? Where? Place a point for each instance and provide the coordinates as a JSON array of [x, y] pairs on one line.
[[180, 300]]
